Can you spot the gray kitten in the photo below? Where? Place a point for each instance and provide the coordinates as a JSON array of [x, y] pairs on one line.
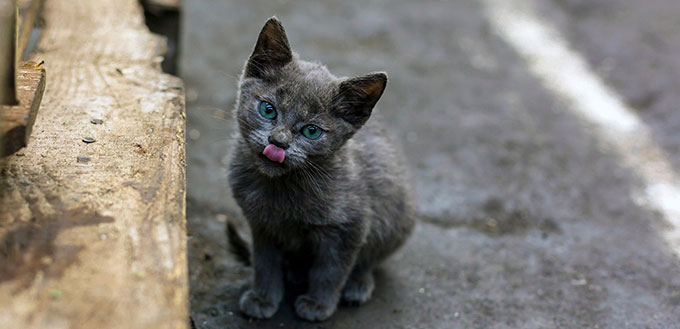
[[321, 186]]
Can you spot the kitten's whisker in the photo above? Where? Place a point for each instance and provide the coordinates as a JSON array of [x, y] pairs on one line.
[[203, 108], [247, 124], [312, 182], [210, 113], [227, 74], [220, 140], [319, 170], [319, 167]]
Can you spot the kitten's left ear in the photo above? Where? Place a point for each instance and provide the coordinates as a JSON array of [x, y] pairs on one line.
[[271, 52], [357, 96]]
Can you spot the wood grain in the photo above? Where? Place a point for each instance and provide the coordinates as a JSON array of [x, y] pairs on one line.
[[16, 121], [25, 81], [7, 49], [92, 235], [28, 14]]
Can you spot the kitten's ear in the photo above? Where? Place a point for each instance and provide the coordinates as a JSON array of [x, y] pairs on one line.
[[272, 50], [357, 96]]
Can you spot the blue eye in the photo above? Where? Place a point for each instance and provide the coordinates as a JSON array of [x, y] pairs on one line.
[[267, 110], [311, 131]]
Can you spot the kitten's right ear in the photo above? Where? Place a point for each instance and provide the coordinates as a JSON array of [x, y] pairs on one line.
[[357, 96], [272, 50]]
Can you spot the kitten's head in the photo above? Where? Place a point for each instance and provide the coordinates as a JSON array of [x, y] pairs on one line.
[[292, 113]]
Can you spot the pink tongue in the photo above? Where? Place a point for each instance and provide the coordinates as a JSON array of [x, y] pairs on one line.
[[272, 152]]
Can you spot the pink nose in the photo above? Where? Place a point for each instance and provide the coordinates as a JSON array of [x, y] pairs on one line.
[[274, 153]]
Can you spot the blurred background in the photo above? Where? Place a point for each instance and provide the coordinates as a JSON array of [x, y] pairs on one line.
[[543, 139]]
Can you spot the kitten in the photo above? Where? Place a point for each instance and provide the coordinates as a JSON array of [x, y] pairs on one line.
[[320, 185]]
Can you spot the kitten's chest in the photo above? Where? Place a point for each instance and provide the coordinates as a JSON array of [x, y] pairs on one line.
[[285, 215], [282, 202]]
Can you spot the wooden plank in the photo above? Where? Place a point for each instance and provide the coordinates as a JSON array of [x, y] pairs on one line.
[[92, 235], [28, 14], [7, 49], [16, 121]]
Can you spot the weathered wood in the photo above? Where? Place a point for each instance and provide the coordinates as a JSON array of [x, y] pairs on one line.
[[28, 14], [7, 49], [25, 82], [16, 121], [92, 235]]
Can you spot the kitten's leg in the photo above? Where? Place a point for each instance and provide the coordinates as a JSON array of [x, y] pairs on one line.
[[327, 275], [359, 287], [262, 301]]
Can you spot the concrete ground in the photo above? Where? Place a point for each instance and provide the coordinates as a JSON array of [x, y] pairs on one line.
[[528, 217]]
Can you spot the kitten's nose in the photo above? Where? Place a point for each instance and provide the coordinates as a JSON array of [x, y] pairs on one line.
[[273, 140], [281, 138]]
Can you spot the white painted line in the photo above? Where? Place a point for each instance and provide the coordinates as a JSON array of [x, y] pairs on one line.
[[564, 72]]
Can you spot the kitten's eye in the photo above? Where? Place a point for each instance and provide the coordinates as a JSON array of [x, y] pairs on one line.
[[311, 131], [267, 110]]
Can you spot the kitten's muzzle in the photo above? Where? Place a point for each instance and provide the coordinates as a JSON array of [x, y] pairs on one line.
[[281, 138], [278, 144]]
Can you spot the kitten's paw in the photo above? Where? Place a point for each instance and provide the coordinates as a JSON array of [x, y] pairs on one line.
[[256, 307], [358, 290], [311, 309]]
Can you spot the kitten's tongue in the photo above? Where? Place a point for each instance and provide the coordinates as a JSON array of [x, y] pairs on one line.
[[272, 152]]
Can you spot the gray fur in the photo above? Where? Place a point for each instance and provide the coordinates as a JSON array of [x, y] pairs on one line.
[[337, 206]]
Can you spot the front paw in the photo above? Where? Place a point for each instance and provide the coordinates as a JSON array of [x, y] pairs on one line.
[[358, 290], [311, 309], [257, 307]]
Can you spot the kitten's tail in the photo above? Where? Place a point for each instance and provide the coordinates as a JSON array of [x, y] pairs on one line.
[[237, 244]]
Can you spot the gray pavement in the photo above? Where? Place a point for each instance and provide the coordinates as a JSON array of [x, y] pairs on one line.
[[526, 220]]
